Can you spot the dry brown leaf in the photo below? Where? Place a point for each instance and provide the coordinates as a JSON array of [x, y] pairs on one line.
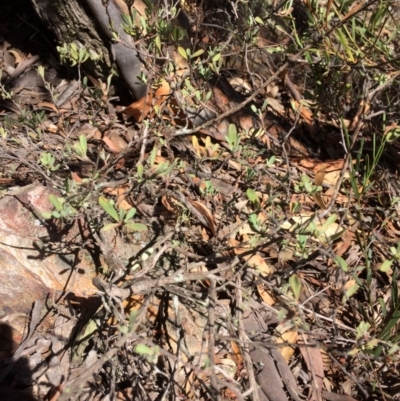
[[275, 105], [201, 208], [235, 165], [285, 255], [168, 204], [52, 128], [115, 143], [265, 295], [246, 122], [17, 56], [204, 235], [122, 203], [220, 99], [346, 240], [48, 105], [237, 353], [257, 262], [90, 131], [76, 177], [289, 337], [319, 179], [140, 109]]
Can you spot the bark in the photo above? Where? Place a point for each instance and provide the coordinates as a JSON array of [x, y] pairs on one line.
[[70, 23], [89, 22]]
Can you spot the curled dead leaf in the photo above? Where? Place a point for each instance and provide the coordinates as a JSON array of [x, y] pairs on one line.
[[204, 211]]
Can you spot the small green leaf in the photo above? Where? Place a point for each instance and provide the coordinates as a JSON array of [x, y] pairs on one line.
[[216, 57], [55, 202], [295, 285], [131, 213], [362, 329], [182, 52], [385, 266], [83, 143], [108, 208], [253, 198], [158, 42], [232, 131], [136, 227], [121, 214], [140, 170], [331, 219], [142, 349], [197, 53], [47, 215], [341, 263], [40, 71], [351, 291], [110, 226]]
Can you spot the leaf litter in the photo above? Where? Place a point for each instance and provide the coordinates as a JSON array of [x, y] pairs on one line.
[[267, 269]]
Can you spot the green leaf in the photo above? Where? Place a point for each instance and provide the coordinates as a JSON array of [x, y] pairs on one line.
[[253, 198], [182, 52], [136, 227], [351, 291], [362, 329], [140, 170], [47, 215], [385, 266], [197, 53], [331, 219], [40, 71], [83, 143], [142, 349], [55, 202], [295, 285], [158, 42], [216, 57], [110, 226], [393, 134], [121, 214], [232, 131], [153, 155], [341, 263], [129, 215], [108, 208]]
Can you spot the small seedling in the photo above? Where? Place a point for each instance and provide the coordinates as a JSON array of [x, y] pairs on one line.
[[306, 186], [253, 198], [63, 210], [123, 218], [48, 161], [233, 138]]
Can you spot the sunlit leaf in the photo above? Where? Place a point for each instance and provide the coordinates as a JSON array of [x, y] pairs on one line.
[[108, 208], [55, 202], [295, 285], [136, 227], [130, 214], [182, 52]]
